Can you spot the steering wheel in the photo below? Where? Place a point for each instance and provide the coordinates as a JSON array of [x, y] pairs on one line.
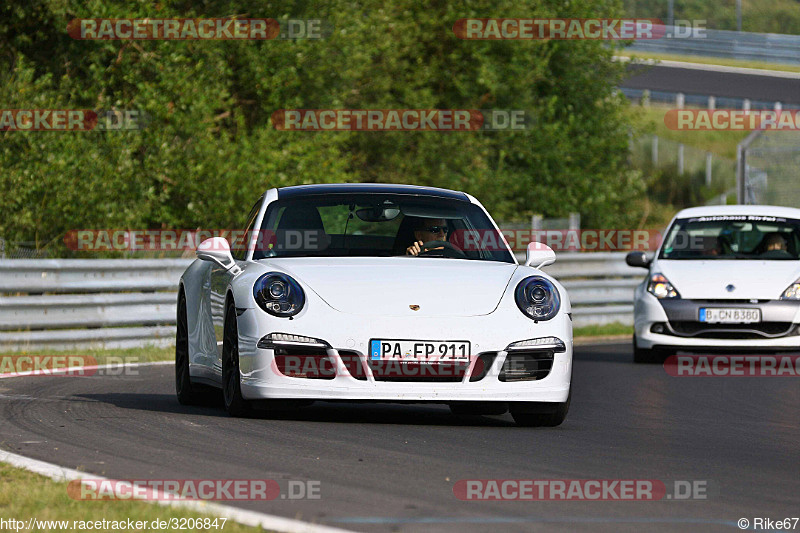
[[450, 250]]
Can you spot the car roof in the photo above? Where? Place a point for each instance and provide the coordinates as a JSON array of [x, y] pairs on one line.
[[369, 188], [719, 210]]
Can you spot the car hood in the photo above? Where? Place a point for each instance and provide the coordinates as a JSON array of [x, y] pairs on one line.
[[389, 286], [697, 279]]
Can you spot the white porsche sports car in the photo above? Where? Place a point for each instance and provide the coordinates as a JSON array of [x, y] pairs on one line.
[[374, 292], [724, 278]]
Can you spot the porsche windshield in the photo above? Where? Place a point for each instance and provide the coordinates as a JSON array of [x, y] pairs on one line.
[[733, 237], [378, 225]]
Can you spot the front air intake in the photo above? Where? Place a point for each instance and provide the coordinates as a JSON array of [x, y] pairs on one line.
[[527, 365]]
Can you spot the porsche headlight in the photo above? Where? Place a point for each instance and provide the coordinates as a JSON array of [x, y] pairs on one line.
[[279, 294], [792, 292], [661, 288], [538, 298]]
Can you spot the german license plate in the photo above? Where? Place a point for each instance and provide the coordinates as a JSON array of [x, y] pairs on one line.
[[428, 351], [729, 315]]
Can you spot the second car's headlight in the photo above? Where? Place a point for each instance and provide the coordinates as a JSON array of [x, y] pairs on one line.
[[279, 294], [661, 288], [792, 292], [538, 298]]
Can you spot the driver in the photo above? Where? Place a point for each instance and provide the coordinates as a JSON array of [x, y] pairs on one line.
[[774, 242], [427, 229]]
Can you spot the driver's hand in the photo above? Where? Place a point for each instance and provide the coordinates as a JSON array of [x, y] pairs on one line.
[[414, 249]]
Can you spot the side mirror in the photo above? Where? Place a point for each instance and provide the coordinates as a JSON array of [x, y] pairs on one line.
[[539, 254], [217, 250], [637, 259]]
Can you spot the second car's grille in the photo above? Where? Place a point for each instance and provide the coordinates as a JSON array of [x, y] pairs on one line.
[[756, 330], [729, 301]]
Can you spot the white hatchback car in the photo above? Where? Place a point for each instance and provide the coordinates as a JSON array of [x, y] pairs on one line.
[[724, 278]]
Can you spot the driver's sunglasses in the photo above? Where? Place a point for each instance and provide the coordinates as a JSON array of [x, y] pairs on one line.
[[436, 229]]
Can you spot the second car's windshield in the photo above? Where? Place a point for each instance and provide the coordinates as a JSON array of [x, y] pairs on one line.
[[733, 237], [377, 225]]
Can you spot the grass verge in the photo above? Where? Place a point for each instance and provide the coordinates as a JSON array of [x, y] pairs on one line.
[[144, 354], [650, 120], [725, 62], [605, 330], [25, 495]]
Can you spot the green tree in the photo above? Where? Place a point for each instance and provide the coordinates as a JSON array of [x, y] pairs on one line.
[[210, 149]]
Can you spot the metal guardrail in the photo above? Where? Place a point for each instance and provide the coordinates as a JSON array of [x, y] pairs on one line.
[[681, 100], [122, 303], [87, 303], [748, 46], [600, 286]]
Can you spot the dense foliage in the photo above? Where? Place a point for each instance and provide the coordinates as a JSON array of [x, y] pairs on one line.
[[210, 148]]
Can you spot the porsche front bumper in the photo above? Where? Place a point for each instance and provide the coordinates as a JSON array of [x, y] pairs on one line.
[[346, 337]]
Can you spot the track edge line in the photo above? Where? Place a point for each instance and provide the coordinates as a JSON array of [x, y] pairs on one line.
[[241, 516]]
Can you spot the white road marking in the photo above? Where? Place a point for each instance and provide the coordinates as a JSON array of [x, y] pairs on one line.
[[247, 518], [713, 68]]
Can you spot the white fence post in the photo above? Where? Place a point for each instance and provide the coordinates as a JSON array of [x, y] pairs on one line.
[[654, 150]]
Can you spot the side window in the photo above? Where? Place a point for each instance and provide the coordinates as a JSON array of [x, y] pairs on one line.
[[239, 246]]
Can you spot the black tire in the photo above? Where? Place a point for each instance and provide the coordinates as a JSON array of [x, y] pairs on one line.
[[187, 392], [648, 355], [235, 404], [478, 408], [544, 414]]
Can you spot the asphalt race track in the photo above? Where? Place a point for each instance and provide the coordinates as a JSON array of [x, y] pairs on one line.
[[719, 84], [392, 467]]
